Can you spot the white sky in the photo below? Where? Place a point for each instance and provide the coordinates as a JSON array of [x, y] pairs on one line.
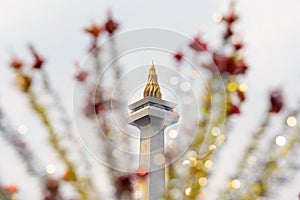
[[270, 28]]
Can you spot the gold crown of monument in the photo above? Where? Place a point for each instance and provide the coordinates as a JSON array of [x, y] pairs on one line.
[[152, 88]]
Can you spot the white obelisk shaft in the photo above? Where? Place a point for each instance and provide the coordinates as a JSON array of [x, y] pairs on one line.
[[152, 159]]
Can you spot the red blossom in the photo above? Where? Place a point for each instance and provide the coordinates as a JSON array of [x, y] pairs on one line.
[[230, 18], [198, 45], [52, 184], [11, 189], [220, 63], [227, 64], [100, 107], [241, 95], [238, 45], [124, 185], [236, 67], [16, 63], [38, 60], [233, 109], [228, 33], [94, 30], [241, 67], [110, 25], [178, 56], [276, 100]]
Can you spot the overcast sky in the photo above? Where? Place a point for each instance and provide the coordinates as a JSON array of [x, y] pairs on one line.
[[270, 29]]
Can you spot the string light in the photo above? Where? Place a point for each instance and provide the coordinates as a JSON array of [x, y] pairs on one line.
[[217, 17], [194, 73], [188, 191], [235, 184], [291, 121], [232, 87], [172, 144], [185, 86], [193, 162], [174, 80], [251, 159], [22, 129], [176, 193], [215, 131], [243, 87], [186, 163], [203, 28], [192, 154], [159, 159], [187, 99], [51, 169], [212, 147], [139, 194], [280, 141], [221, 138], [116, 153], [173, 133], [14, 197], [208, 164], [203, 181]]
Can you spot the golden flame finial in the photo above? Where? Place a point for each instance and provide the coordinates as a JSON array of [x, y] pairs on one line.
[[152, 88]]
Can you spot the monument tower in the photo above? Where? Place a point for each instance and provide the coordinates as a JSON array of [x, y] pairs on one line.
[[151, 115]]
